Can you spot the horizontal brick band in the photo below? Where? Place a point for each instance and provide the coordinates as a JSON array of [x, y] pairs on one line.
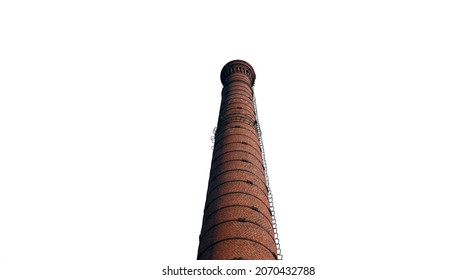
[[237, 199], [236, 208], [235, 213], [243, 127], [238, 137], [236, 229], [238, 248], [252, 183], [242, 146]]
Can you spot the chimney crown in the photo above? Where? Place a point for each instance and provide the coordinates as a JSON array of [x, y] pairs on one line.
[[237, 70]]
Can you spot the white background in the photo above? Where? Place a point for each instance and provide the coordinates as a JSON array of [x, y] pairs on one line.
[[368, 117]]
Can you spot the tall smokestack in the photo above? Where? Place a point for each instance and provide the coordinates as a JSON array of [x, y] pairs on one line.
[[238, 221]]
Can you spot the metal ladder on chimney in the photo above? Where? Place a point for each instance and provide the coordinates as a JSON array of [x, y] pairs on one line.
[[270, 194]]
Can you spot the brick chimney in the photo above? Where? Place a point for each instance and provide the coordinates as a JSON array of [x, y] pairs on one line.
[[237, 220]]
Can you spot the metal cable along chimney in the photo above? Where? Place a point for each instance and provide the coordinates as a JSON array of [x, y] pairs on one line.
[[238, 220]]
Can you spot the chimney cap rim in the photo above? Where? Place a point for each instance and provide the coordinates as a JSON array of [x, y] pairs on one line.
[[249, 71]]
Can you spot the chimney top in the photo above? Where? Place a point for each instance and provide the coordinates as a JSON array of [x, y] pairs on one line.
[[237, 70]]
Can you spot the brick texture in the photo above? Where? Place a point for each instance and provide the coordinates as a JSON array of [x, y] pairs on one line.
[[237, 222]]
